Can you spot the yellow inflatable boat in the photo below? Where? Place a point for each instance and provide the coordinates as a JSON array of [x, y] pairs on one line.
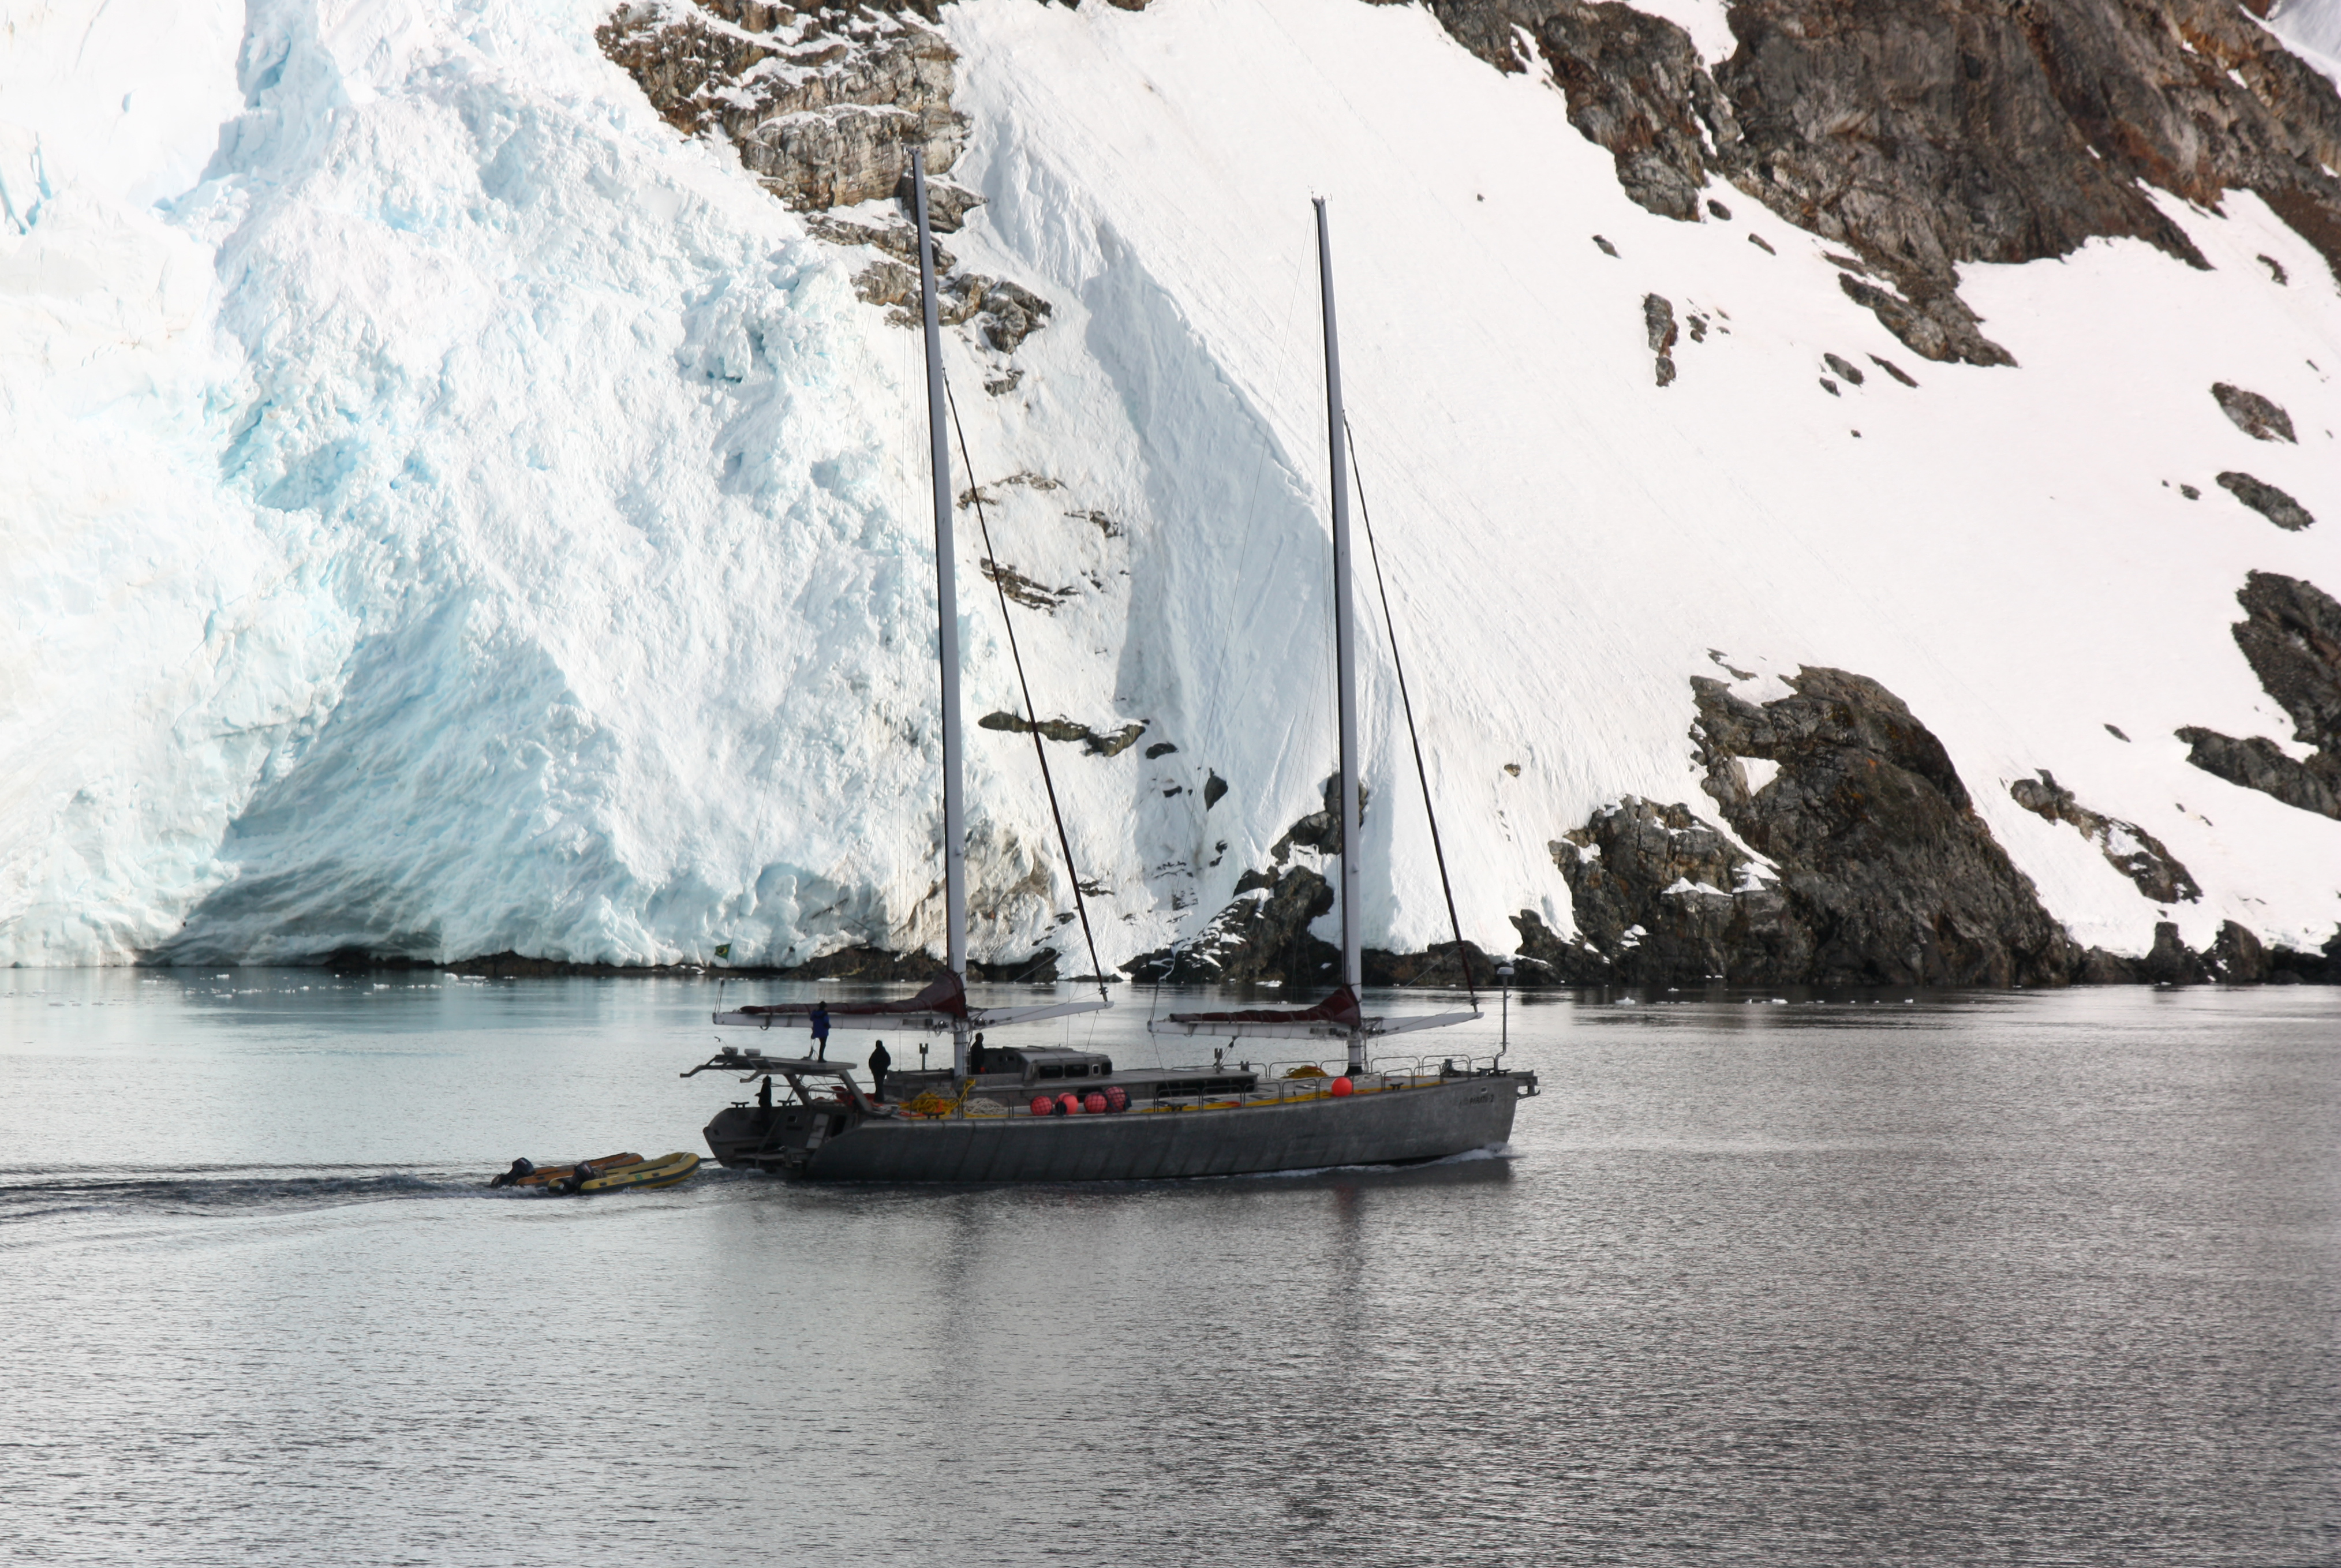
[[524, 1173], [657, 1172]]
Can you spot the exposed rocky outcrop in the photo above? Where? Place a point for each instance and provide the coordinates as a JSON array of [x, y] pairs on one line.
[[1926, 134], [2291, 636], [1849, 854], [1320, 830], [1662, 897], [2235, 957], [1261, 935], [2257, 417], [2267, 500], [1109, 743], [2133, 851], [898, 240], [1021, 589], [826, 104], [2171, 962], [1442, 965], [1010, 312], [1659, 326], [1852, 857], [2258, 763], [1876, 844], [2290, 966]]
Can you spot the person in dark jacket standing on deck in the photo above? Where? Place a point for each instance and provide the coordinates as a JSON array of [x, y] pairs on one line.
[[879, 1062], [819, 1019]]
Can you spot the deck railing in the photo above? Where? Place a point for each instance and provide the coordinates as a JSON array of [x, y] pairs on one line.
[[1274, 1085]]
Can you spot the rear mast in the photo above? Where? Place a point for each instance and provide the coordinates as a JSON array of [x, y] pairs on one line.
[[1345, 655], [946, 617]]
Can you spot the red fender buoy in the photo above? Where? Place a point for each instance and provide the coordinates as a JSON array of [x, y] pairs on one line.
[[1117, 1098], [1342, 1088], [1068, 1105], [1094, 1103], [1043, 1106]]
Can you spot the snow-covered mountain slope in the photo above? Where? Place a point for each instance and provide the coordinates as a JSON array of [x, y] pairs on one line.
[[451, 512], [2313, 29]]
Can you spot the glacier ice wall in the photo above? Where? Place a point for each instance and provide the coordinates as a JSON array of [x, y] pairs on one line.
[[501, 551], [451, 513]]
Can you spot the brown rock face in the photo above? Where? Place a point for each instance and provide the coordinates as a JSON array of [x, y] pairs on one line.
[[1095, 743], [825, 103], [1658, 325], [1662, 897], [2128, 847], [1925, 133], [2277, 505], [1879, 851], [2257, 417], [1880, 873], [2291, 636], [1263, 935]]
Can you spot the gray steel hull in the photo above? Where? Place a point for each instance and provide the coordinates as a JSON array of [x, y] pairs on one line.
[[1395, 1127]]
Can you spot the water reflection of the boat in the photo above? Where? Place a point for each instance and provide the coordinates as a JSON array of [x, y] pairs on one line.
[[1046, 1113]]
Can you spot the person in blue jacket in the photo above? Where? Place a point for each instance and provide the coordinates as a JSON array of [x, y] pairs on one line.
[[819, 1019]]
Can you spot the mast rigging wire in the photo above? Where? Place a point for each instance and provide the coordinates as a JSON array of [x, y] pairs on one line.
[[1421, 773], [1031, 716]]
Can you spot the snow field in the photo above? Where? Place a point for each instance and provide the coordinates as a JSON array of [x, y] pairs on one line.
[[1996, 547]]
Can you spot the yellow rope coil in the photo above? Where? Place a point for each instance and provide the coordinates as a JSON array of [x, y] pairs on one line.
[[928, 1103]]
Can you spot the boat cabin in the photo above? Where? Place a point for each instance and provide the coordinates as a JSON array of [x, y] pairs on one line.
[[1038, 1065], [1012, 1076]]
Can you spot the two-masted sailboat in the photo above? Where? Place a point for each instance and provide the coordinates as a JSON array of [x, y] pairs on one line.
[[1052, 1113]]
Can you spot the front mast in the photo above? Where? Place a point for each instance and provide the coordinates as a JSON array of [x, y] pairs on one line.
[[1345, 654], [946, 620]]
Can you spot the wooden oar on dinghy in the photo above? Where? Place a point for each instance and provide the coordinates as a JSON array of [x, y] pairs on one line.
[[525, 1173]]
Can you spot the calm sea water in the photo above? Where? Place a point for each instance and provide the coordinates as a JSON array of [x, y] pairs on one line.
[[2044, 1278]]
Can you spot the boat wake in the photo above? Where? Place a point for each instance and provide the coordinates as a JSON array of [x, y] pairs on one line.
[[1498, 1155], [52, 1192]]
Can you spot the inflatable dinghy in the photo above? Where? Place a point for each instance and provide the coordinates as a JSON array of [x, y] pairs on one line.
[[525, 1173], [657, 1172]]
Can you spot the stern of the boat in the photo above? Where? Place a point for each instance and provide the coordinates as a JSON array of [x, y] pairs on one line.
[[773, 1138]]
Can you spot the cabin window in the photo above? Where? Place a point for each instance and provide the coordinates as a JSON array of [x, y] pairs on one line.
[[1053, 1072]]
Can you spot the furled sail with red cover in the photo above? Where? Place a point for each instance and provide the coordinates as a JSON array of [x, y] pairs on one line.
[[1338, 1017], [942, 1005], [1340, 1009], [943, 995]]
